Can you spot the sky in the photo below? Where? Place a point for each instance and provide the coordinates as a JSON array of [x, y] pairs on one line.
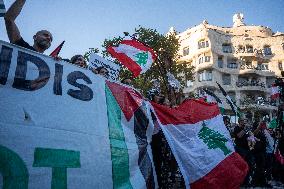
[[87, 23]]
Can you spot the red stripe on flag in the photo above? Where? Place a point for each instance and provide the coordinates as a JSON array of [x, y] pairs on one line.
[[128, 99], [126, 61], [140, 46], [275, 96], [189, 112], [228, 174], [57, 50]]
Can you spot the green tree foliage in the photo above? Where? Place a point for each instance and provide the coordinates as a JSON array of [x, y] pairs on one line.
[[166, 47], [89, 52], [213, 139]]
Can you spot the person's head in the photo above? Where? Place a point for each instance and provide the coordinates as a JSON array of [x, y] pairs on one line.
[[102, 71], [158, 98], [79, 60], [226, 120], [242, 122], [42, 40], [127, 81]]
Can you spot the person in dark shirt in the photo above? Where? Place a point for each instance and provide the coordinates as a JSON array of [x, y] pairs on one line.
[[42, 39], [242, 148]]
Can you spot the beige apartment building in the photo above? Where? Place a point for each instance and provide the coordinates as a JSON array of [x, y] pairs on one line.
[[244, 59]]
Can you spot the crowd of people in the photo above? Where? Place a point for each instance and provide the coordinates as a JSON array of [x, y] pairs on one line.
[[256, 140]]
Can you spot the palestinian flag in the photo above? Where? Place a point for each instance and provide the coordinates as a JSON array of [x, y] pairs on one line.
[[2, 8], [130, 135], [57, 50], [201, 145], [232, 104], [137, 57], [211, 97], [274, 92]]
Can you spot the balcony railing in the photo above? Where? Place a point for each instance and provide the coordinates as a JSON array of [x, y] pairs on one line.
[[257, 102], [250, 84]]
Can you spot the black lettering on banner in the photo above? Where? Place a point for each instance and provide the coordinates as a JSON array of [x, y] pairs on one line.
[[5, 62], [57, 85], [20, 81], [141, 123], [85, 93]]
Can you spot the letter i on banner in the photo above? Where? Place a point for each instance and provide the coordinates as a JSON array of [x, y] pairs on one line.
[[2, 8]]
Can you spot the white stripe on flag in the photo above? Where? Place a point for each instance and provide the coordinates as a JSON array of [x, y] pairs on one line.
[[131, 52]]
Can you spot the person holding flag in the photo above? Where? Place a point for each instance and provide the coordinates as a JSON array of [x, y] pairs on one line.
[[42, 39]]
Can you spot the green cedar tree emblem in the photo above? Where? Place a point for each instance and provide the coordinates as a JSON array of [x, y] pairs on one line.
[[142, 58], [213, 139]]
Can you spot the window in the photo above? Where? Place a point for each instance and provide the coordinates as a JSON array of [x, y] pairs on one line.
[[226, 78], [249, 49], [267, 50], [241, 49], [189, 83], [280, 66], [262, 67], [200, 60], [232, 95], [220, 61], [203, 44], [207, 58], [249, 65], [185, 51], [205, 76], [232, 63], [227, 48]]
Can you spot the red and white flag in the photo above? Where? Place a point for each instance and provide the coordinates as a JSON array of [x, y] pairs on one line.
[[201, 145], [275, 92], [137, 57]]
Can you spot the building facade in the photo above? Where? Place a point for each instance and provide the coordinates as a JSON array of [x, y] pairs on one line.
[[245, 60]]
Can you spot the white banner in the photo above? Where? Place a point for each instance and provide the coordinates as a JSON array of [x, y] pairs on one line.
[[97, 61], [55, 131]]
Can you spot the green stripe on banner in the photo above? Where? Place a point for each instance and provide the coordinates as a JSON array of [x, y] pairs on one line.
[[119, 152]]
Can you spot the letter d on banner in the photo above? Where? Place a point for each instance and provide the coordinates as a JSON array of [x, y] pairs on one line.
[[20, 81]]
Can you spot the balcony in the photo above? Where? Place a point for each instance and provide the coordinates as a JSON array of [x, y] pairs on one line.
[[258, 103], [247, 69], [252, 85], [256, 53]]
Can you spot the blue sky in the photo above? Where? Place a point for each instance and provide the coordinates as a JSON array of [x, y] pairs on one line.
[[86, 23]]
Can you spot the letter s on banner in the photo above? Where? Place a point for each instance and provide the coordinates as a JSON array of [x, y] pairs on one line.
[[86, 93]]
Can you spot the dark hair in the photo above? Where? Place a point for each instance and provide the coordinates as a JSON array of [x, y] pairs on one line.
[[100, 68], [75, 57], [123, 80]]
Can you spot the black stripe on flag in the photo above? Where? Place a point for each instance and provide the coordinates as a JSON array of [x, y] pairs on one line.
[[141, 123], [213, 95], [222, 90], [229, 100]]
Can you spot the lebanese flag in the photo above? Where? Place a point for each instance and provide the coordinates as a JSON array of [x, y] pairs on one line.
[[275, 92], [201, 145], [137, 57]]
